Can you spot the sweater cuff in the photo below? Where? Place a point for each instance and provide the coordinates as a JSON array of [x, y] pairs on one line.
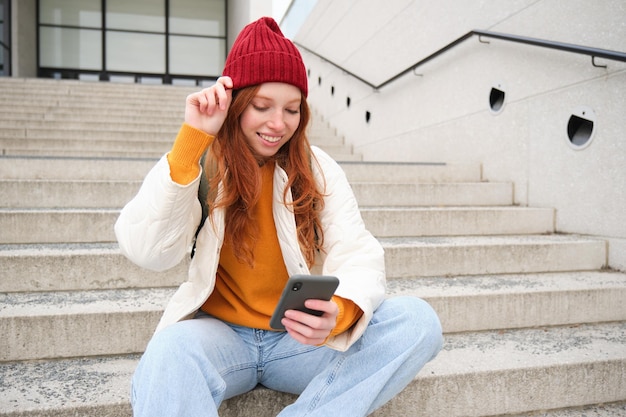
[[349, 313], [184, 158]]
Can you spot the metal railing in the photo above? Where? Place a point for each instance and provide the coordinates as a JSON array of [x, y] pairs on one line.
[[567, 47]]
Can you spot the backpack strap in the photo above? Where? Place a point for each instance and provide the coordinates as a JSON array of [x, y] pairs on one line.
[[203, 195]]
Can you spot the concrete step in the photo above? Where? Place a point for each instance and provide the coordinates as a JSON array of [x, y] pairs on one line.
[[490, 302], [92, 125], [134, 168], [70, 267], [110, 322], [316, 131], [46, 85], [457, 221], [126, 154], [476, 374], [48, 325], [81, 94], [398, 172], [480, 255], [617, 409], [373, 196], [83, 90], [129, 104], [74, 168], [73, 153], [95, 92], [136, 143], [322, 141], [50, 267], [77, 112], [494, 373], [75, 225], [434, 194], [90, 136], [13, 116], [57, 225]]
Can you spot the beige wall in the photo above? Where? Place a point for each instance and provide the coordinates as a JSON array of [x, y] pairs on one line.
[[24, 38], [443, 113], [242, 12]]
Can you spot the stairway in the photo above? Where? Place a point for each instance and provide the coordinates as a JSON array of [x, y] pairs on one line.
[[533, 320]]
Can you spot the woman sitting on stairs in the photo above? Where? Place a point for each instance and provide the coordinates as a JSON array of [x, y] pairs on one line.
[[276, 207]]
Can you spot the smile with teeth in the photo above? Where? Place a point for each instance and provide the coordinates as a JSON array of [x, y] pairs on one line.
[[271, 139]]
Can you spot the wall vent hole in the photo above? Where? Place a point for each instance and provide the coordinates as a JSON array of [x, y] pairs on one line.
[[348, 102], [579, 130], [496, 99], [368, 116]]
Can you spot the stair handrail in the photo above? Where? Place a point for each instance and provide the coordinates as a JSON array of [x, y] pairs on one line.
[[562, 46]]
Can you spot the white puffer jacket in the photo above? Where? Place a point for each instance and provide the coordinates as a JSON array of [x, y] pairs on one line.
[[156, 228]]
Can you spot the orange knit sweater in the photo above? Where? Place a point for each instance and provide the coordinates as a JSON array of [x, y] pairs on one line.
[[243, 295]]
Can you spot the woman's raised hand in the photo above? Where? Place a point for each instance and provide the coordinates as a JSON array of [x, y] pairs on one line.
[[206, 110]]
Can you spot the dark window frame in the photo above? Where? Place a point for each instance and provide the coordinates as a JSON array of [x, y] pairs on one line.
[[5, 39]]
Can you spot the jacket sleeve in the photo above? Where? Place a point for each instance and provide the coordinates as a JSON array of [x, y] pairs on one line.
[[351, 252], [156, 228]]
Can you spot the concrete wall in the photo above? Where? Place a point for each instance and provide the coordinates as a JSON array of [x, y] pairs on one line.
[[242, 12], [442, 113], [24, 38]]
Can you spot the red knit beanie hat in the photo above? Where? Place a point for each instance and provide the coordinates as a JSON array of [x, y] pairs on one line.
[[261, 54]]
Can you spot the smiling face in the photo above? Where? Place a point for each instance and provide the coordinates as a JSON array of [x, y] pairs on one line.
[[271, 118]]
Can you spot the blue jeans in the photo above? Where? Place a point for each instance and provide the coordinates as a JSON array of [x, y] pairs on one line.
[[189, 368]]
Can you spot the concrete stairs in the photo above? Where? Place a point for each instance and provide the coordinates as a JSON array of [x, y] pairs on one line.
[[535, 325]]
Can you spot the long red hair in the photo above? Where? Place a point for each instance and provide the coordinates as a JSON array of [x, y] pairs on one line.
[[232, 162]]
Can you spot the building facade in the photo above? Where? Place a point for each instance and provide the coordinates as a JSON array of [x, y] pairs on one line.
[[150, 41]]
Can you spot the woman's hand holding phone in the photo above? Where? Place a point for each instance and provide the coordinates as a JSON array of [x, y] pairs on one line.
[[306, 310], [309, 329]]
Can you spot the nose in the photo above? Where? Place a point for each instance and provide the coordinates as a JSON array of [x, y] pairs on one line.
[[276, 121]]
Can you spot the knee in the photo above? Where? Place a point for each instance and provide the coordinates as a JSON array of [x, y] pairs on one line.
[[417, 322]]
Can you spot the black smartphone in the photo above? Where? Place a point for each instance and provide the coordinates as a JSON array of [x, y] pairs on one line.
[[300, 288]]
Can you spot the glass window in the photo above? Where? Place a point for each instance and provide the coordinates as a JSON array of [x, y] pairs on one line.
[[198, 17], [137, 15], [196, 56], [135, 52], [134, 41], [84, 13], [70, 48]]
